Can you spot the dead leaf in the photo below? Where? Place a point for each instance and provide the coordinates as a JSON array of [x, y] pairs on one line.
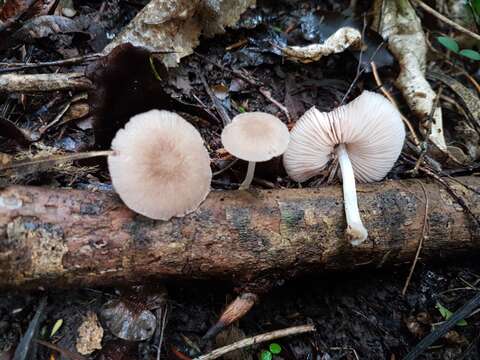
[[176, 25], [220, 91], [90, 334], [45, 26], [12, 10]]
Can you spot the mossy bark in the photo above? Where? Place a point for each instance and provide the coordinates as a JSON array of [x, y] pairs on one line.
[[54, 237]]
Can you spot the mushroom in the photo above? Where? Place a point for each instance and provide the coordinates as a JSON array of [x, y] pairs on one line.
[[255, 137], [160, 167], [366, 136]]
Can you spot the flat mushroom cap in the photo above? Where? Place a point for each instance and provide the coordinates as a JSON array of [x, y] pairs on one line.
[[255, 136], [370, 127], [160, 167]]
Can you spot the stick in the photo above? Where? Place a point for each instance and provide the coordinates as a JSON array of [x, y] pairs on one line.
[[215, 354], [43, 82], [446, 20], [420, 243], [392, 100], [460, 314], [13, 67]]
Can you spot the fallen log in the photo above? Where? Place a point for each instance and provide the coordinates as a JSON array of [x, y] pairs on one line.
[[55, 237]]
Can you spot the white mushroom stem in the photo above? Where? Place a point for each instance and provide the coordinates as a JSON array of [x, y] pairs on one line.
[[356, 232], [249, 177]]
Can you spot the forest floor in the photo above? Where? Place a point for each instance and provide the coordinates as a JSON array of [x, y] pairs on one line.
[[357, 315]]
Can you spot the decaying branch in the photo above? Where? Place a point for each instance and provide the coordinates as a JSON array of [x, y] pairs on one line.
[[401, 26], [43, 82], [54, 237], [338, 42]]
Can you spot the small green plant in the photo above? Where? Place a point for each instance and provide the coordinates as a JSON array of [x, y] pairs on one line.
[[475, 8], [452, 45], [273, 349], [447, 314]]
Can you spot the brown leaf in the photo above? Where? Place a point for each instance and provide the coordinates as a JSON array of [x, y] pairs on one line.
[[12, 10], [44, 26]]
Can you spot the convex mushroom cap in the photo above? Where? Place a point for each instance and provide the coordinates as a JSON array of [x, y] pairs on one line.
[[370, 127], [255, 137], [160, 167]]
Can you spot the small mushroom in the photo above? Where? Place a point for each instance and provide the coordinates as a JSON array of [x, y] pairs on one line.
[[366, 136], [255, 137], [160, 167]]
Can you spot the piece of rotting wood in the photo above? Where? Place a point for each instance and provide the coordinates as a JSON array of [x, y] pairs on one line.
[[54, 237], [43, 82]]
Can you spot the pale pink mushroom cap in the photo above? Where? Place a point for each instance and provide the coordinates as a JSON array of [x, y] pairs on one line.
[[160, 167], [255, 136], [370, 127]]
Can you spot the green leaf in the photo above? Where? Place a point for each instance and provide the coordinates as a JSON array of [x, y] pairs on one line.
[[266, 355], [475, 5], [447, 314], [275, 348], [58, 324], [471, 54], [449, 43]]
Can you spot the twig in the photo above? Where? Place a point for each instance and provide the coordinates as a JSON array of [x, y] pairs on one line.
[[420, 243], [452, 193], [267, 94], [13, 67], [221, 171], [359, 65], [252, 82], [444, 328], [216, 103], [57, 119], [392, 100], [66, 353], [43, 82], [51, 161], [446, 20], [162, 331], [256, 340]]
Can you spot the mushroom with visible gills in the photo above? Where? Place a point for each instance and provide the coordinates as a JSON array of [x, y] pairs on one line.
[[255, 137], [366, 136], [160, 167]]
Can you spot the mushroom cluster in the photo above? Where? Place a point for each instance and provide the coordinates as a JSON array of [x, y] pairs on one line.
[[366, 137], [163, 157]]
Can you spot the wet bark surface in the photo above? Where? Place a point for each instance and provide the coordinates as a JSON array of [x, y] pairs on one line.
[[54, 237]]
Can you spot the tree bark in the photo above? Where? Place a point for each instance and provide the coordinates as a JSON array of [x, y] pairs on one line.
[[54, 237]]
